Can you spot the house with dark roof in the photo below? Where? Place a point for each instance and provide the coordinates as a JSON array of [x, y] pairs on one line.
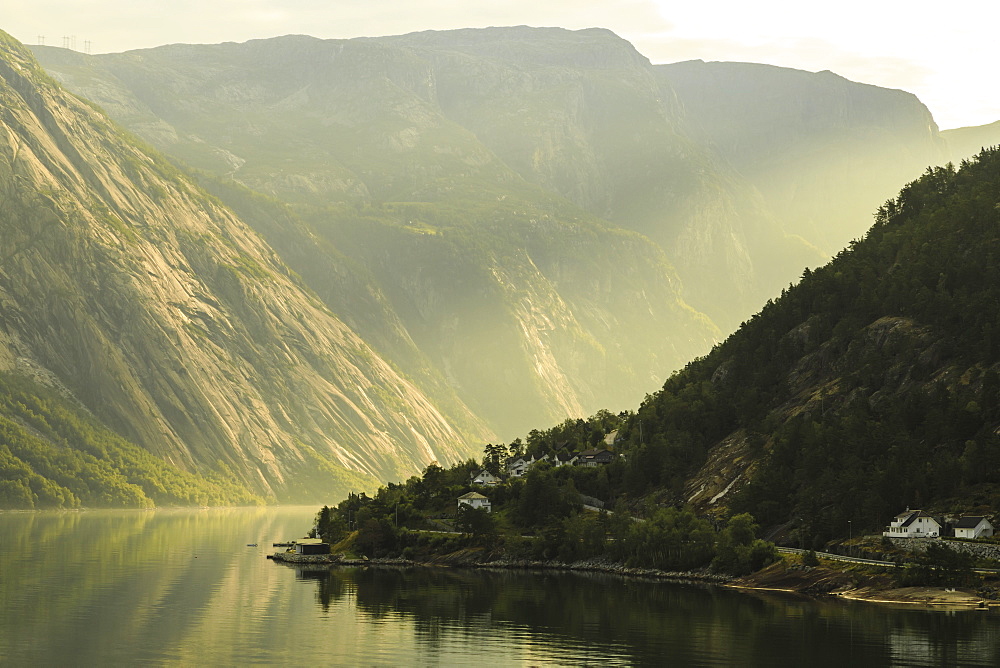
[[595, 457], [311, 546], [913, 524], [973, 526]]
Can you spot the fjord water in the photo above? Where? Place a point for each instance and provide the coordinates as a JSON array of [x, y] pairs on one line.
[[182, 587]]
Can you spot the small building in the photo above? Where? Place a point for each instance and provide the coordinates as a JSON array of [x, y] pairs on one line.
[[484, 477], [913, 524], [595, 457], [311, 546], [564, 459], [973, 526], [518, 466], [474, 500]]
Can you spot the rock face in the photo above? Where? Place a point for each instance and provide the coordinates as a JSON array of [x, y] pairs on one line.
[[440, 167], [173, 322]]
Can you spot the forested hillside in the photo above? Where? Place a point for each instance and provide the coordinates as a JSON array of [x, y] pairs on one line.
[[870, 386]]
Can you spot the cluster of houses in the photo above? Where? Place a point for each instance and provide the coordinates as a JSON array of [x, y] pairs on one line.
[[518, 466], [918, 524]]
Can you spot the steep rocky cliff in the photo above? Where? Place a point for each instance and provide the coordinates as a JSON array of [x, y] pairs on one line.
[[583, 114], [134, 292], [482, 276]]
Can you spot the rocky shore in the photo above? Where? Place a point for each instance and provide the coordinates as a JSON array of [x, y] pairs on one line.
[[465, 560], [873, 588], [783, 577]]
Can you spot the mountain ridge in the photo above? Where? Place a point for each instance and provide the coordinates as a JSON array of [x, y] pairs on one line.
[[454, 198]]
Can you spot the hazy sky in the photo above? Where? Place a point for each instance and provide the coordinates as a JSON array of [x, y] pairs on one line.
[[943, 53]]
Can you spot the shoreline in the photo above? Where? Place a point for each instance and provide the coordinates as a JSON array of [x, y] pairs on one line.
[[778, 578], [609, 568], [827, 582]]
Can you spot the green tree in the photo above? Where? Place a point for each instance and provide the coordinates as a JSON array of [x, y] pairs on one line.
[[940, 566], [477, 522], [330, 525], [738, 551]]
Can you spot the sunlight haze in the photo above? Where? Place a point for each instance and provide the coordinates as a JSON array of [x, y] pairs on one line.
[[938, 58]]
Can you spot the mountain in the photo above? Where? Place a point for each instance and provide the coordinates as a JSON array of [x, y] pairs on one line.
[[824, 152], [966, 142], [154, 317], [870, 386], [529, 305], [582, 114]]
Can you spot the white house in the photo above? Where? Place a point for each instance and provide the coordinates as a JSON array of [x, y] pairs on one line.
[[484, 477], [474, 500], [518, 466], [913, 524], [973, 526]]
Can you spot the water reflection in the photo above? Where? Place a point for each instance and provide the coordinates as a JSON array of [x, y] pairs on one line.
[[576, 616], [183, 588]]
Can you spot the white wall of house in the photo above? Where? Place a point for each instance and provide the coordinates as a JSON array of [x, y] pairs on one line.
[[476, 503], [982, 530], [920, 527]]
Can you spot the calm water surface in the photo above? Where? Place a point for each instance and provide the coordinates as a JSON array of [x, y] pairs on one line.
[[181, 587]]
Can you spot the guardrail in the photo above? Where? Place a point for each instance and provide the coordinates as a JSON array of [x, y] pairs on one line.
[[838, 557], [873, 562]]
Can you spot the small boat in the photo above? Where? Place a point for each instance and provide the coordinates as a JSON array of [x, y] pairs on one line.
[[251, 544]]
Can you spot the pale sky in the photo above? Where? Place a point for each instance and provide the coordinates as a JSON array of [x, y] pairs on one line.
[[942, 52]]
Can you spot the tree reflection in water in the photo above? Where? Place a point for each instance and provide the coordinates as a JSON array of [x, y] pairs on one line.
[[648, 621]]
